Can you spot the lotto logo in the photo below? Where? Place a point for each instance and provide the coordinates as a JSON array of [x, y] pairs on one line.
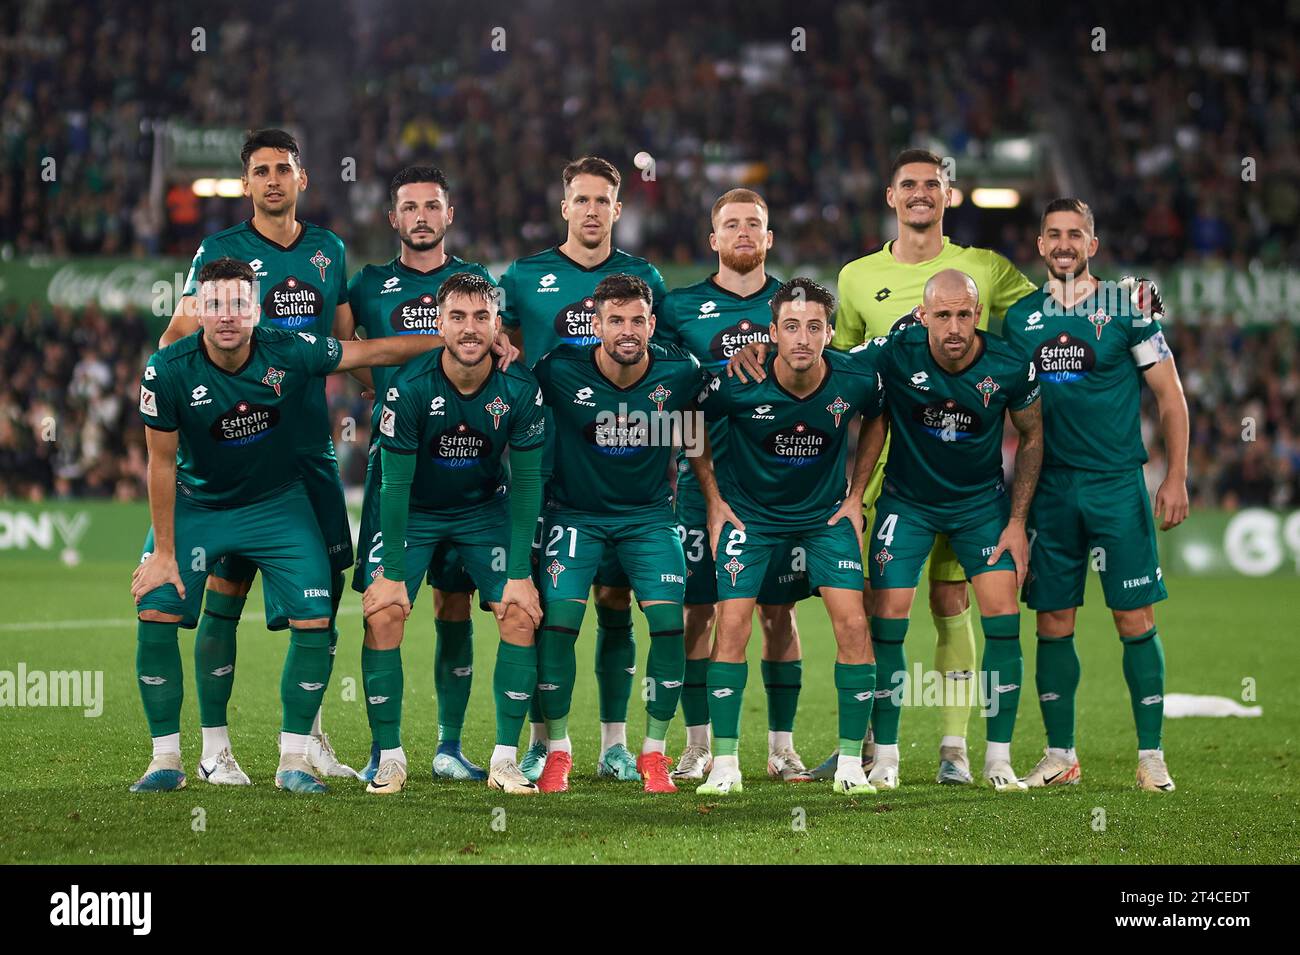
[[919, 380], [391, 281], [1034, 321], [670, 684], [150, 373], [224, 671], [708, 307], [376, 700], [461, 671], [256, 265], [392, 395], [152, 680], [863, 696], [546, 282], [435, 406], [514, 695], [723, 692], [547, 686], [1152, 700], [198, 392], [312, 687], [583, 397]]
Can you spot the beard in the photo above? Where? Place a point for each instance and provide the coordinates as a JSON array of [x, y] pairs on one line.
[[453, 352], [423, 241], [613, 352], [1080, 265], [743, 262]]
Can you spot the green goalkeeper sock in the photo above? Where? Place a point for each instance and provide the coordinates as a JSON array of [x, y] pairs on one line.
[[726, 694], [214, 655], [887, 635], [615, 662], [666, 664], [453, 675], [557, 663], [1056, 677], [1002, 671], [381, 674], [695, 693], [1144, 671], [302, 682], [855, 689], [782, 679], [514, 683], [158, 671]]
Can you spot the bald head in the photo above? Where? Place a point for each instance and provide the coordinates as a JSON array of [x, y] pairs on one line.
[[950, 311]]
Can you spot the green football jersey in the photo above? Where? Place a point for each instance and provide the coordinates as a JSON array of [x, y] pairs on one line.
[[238, 440], [947, 428], [395, 299], [1090, 364], [713, 324], [788, 454], [548, 295], [459, 439], [299, 287], [613, 446]]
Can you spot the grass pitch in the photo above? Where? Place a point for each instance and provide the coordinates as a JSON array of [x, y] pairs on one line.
[[64, 777]]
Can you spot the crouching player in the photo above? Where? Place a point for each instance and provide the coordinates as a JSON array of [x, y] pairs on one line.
[[446, 423], [222, 409], [948, 386], [784, 486]]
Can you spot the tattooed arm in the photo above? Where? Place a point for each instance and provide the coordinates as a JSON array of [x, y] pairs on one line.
[[1029, 461]]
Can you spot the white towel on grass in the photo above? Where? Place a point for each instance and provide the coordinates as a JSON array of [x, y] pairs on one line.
[[1191, 704]]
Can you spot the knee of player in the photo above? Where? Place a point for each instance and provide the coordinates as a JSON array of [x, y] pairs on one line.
[[451, 606], [516, 627], [1056, 623], [948, 598], [384, 629], [1134, 623], [317, 623], [614, 598], [778, 622], [231, 588], [157, 616]]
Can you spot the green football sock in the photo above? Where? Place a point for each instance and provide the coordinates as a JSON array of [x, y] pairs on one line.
[[695, 693], [887, 635], [557, 664], [514, 683], [1144, 671], [855, 688], [453, 674], [782, 679], [158, 671], [954, 657], [214, 655], [336, 598], [381, 674], [1002, 671], [666, 663], [615, 662], [302, 682], [1056, 677], [726, 685], [535, 714]]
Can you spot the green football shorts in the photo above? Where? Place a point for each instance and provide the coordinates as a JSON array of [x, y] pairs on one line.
[[745, 558], [278, 536], [1102, 518], [944, 565], [903, 533], [575, 545]]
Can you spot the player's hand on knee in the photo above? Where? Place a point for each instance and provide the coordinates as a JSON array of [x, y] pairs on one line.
[[385, 593], [521, 593], [747, 364], [505, 351], [719, 515], [1014, 541], [153, 572], [852, 510], [1171, 503]]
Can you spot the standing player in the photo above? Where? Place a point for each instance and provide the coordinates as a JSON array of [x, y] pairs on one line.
[[224, 409], [548, 302], [712, 320], [788, 442], [949, 387], [301, 276], [879, 293], [613, 405], [1092, 354], [446, 422], [401, 298]]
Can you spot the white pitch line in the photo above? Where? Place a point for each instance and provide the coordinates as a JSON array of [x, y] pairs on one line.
[[112, 622]]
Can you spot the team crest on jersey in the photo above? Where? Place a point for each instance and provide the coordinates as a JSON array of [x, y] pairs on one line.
[[986, 388], [659, 396], [733, 567], [1099, 320], [839, 407], [883, 557], [321, 262], [496, 408], [274, 377], [555, 569]]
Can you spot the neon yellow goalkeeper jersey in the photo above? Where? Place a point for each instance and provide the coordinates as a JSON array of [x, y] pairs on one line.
[[878, 294]]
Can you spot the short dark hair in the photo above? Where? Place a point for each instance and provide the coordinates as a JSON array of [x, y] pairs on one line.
[[226, 268], [1068, 204], [466, 283], [269, 139], [803, 289], [911, 156], [417, 174], [592, 166], [622, 288]]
